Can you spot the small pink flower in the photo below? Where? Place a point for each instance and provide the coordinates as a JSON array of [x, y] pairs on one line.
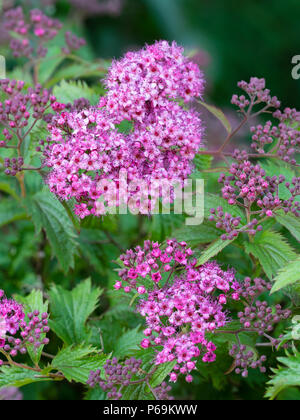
[[156, 277], [173, 377], [148, 332], [222, 299], [190, 365], [118, 285], [39, 32], [132, 273], [145, 344]]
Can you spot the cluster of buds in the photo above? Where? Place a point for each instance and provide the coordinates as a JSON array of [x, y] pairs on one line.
[[257, 94], [10, 394], [245, 359], [232, 225], [29, 36], [13, 166], [73, 43], [285, 136], [20, 106], [247, 185], [116, 375], [257, 317], [261, 317]]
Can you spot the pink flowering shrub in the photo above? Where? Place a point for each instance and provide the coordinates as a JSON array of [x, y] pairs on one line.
[[177, 315], [138, 84], [86, 150], [185, 307]]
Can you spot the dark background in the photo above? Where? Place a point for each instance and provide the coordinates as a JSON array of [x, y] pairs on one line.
[[239, 39]]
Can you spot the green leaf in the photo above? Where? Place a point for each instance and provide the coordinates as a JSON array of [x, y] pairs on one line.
[[15, 376], [48, 213], [47, 66], [290, 274], [291, 223], [214, 201], [287, 375], [76, 362], [70, 311], [95, 394], [137, 393], [10, 211], [201, 234], [272, 251], [203, 162], [214, 249], [162, 225], [161, 373], [79, 71], [68, 92], [219, 114], [33, 302], [275, 167], [9, 186], [128, 343]]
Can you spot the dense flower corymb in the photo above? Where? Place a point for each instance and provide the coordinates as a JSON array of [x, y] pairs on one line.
[[11, 315], [86, 148], [179, 311], [12, 321], [139, 83]]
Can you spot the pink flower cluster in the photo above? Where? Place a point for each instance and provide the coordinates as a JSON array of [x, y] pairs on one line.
[[11, 315], [139, 83], [86, 148], [36, 30], [179, 309], [152, 261], [12, 321]]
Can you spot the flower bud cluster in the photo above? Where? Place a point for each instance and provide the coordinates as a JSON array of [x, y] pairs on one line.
[[116, 375], [29, 36], [256, 317], [232, 225], [20, 107], [246, 186], [285, 137], [257, 94]]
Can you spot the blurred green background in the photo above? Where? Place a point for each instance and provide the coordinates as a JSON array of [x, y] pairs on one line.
[[240, 39]]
